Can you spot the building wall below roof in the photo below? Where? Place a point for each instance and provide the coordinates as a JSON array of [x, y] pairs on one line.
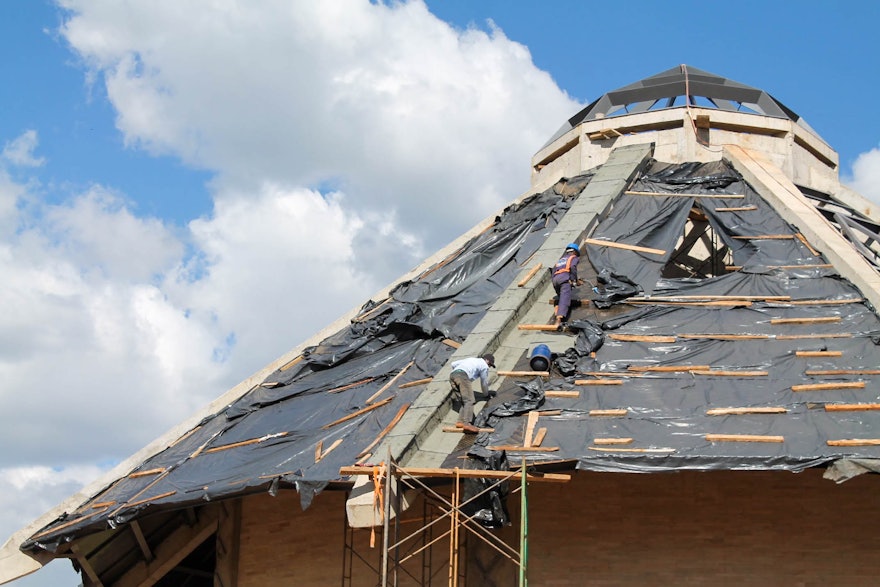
[[686, 528], [803, 156]]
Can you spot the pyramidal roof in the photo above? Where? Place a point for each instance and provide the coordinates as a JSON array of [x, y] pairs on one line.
[[677, 87], [726, 321]]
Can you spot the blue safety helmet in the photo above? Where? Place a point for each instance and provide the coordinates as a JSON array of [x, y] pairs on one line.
[[574, 247]]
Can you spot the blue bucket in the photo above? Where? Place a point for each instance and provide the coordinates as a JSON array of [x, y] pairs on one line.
[[540, 359]]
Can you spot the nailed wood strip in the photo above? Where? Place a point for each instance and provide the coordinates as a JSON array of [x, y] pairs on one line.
[[854, 442], [740, 411], [550, 412], [599, 413], [561, 393], [351, 385], [670, 368], [725, 336], [531, 421], [387, 429], [323, 454], [683, 195], [598, 382], [416, 382], [743, 438], [804, 266], [851, 407], [452, 343], [319, 448], [716, 303], [722, 373], [514, 448], [393, 380], [825, 302], [357, 413], [712, 297], [620, 449], [244, 442], [103, 504], [842, 372], [529, 275], [765, 237], [132, 504], [828, 386], [737, 209], [377, 309], [68, 523], [539, 436], [461, 431], [640, 338], [612, 374], [615, 245], [524, 373], [612, 441], [548, 327], [808, 336], [803, 239], [292, 363], [819, 320], [818, 353], [146, 473]]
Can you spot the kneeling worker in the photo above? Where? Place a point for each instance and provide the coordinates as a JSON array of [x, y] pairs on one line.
[[464, 372]]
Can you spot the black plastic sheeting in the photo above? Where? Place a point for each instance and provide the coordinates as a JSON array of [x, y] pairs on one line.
[[267, 439], [666, 412]]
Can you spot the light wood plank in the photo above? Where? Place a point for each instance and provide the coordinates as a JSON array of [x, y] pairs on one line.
[[819, 320], [851, 407], [529, 275], [738, 411], [829, 386], [855, 442], [743, 438], [818, 353], [615, 245]]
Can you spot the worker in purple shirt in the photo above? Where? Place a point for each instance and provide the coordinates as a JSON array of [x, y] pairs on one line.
[[565, 275], [464, 372]]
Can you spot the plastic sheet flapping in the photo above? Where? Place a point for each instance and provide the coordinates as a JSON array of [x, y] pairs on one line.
[[485, 500], [284, 433]]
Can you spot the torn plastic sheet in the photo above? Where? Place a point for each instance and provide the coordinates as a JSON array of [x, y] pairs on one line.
[[845, 469], [285, 433], [643, 221], [743, 222], [485, 500]]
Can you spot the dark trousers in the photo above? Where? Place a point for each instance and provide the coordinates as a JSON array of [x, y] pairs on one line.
[[563, 293], [463, 388]]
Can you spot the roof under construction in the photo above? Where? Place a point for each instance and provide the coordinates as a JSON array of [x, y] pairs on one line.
[[727, 321]]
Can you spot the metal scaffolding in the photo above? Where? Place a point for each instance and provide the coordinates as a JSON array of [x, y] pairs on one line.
[[444, 519]]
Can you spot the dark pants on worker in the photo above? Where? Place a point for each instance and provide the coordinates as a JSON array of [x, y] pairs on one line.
[[462, 386], [563, 294]]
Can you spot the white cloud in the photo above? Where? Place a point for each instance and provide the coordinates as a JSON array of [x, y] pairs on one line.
[[411, 115], [865, 177], [348, 139], [20, 151]]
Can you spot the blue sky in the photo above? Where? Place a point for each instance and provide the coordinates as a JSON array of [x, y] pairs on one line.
[[186, 194]]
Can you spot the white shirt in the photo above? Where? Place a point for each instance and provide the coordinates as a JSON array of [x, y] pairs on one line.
[[475, 367]]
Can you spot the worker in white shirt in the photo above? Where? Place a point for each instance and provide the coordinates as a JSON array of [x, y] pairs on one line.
[[464, 373]]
